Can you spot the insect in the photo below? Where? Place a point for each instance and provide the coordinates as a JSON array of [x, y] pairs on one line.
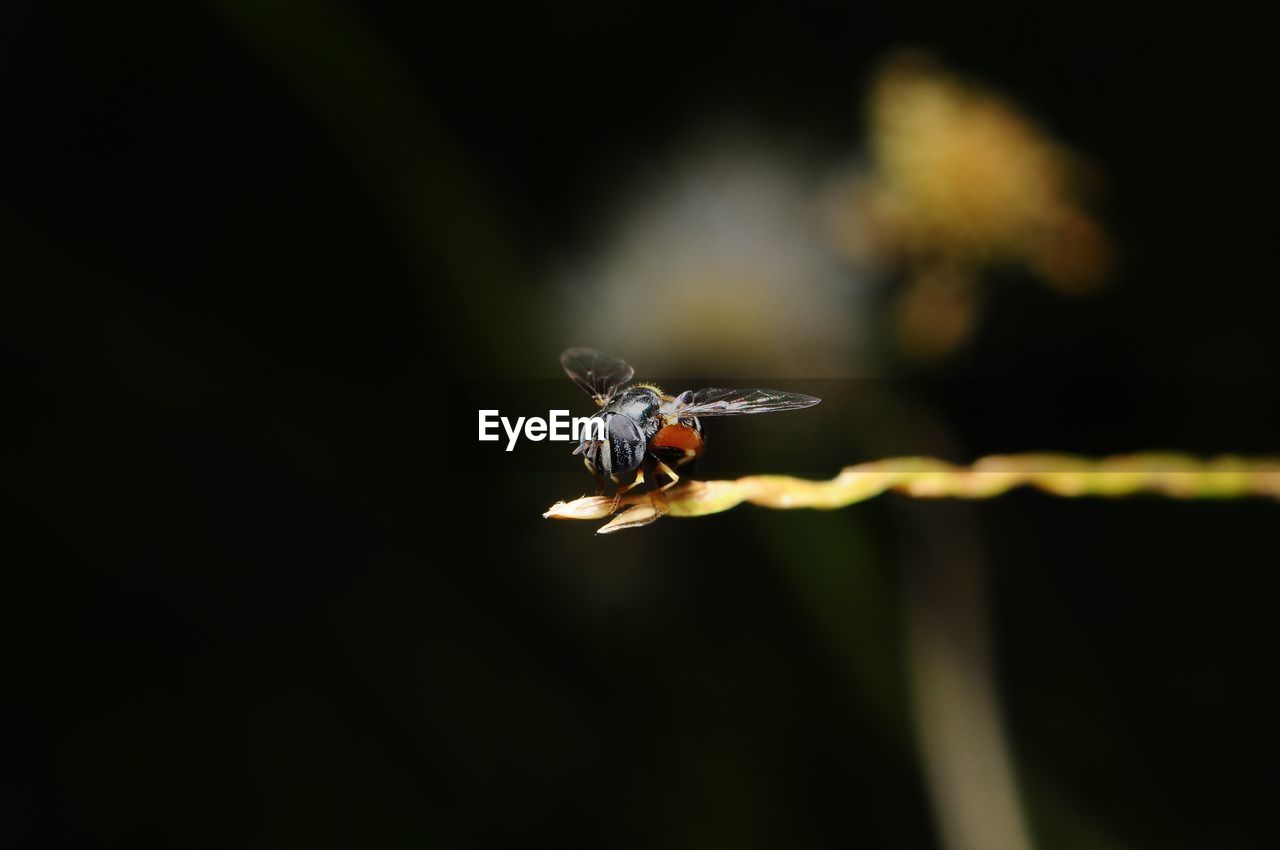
[[644, 428]]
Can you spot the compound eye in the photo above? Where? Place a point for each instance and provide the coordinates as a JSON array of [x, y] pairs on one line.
[[626, 444], [622, 428]]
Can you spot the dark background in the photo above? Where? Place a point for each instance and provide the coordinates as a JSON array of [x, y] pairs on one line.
[[262, 261]]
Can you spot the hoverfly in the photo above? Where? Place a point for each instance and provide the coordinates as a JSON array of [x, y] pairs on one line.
[[645, 428]]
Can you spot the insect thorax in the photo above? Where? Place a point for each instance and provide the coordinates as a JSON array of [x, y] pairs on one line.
[[640, 404]]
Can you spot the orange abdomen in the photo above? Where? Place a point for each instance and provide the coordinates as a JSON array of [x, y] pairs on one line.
[[678, 440]]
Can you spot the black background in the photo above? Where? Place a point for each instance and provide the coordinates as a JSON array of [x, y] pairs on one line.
[[268, 590]]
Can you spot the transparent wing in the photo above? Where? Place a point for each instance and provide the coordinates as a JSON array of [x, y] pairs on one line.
[[596, 372], [720, 402]]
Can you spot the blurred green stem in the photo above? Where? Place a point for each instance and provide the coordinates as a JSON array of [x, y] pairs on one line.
[[369, 102]]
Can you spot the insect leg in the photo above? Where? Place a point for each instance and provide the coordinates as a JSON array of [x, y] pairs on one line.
[[658, 501], [623, 488], [669, 472]]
